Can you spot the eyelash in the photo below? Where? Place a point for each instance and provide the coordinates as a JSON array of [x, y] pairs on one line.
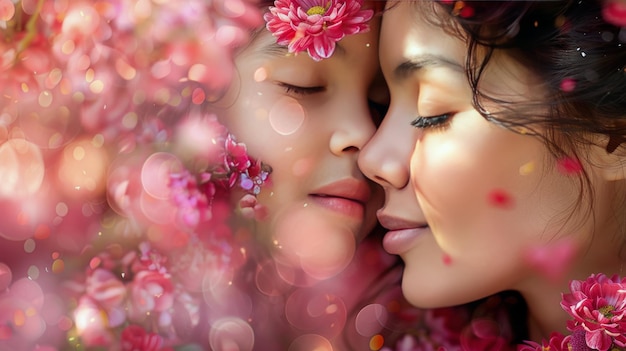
[[297, 90], [425, 122]]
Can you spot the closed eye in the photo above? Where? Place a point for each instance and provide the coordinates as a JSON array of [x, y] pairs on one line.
[[301, 91], [425, 122]]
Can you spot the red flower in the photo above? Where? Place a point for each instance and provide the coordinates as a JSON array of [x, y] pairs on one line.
[[598, 306], [236, 157], [557, 342], [316, 25], [150, 292], [104, 287], [484, 334], [135, 338]]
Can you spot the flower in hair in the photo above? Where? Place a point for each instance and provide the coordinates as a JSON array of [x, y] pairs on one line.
[[315, 26]]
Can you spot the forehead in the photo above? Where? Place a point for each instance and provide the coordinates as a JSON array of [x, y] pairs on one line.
[[407, 33], [359, 49], [264, 42]]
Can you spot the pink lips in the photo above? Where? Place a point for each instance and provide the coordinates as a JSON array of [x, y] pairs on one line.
[[401, 233], [347, 196]]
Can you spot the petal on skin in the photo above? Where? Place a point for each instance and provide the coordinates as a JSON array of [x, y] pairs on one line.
[[614, 12]]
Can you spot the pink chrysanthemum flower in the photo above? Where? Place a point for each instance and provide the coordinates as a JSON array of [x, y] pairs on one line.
[[598, 306], [557, 342], [315, 25]]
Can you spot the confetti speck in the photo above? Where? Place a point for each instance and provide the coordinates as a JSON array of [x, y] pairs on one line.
[[614, 12], [527, 168], [500, 198], [376, 342], [568, 85], [569, 166]]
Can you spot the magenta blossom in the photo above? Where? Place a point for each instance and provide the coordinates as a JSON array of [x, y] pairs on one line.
[[484, 334], [316, 25], [598, 306], [557, 342], [135, 338]]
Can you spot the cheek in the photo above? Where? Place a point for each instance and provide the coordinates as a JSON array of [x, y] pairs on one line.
[[479, 179], [448, 181], [262, 115], [453, 168], [286, 116]]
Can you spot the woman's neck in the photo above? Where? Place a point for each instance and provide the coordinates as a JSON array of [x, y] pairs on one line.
[[543, 296], [545, 314]]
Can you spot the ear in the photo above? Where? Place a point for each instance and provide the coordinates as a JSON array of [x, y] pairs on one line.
[[609, 160]]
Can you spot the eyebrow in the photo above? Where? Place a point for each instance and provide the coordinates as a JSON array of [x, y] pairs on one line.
[[275, 49], [419, 62]]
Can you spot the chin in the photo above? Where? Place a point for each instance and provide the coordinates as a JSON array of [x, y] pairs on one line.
[[419, 290], [418, 298], [317, 243]]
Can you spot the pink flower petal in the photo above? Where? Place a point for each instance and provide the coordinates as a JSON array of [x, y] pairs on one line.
[[500, 198], [317, 32], [569, 166], [614, 12], [568, 85], [552, 260]]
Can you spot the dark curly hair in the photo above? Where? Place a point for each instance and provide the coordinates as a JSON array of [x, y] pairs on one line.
[[559, 41]]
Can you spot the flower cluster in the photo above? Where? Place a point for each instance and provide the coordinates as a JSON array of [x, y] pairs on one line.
[[597, 306], [116, 189], [315, 26], [116, 193], [121, 227], [104, 65], [161, 254], [194, 199], [484, 325], [148, 297]]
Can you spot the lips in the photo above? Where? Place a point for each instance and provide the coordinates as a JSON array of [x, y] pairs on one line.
[[346, 196], [396, 223], [402, 233]]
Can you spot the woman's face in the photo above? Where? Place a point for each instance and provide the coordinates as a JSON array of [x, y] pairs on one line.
[[309, 120], [486, 197]]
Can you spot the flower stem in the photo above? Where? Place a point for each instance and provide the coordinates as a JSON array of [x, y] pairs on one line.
[[31, 30]]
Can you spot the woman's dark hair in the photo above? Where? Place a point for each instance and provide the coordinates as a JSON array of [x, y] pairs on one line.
[[579, 56]]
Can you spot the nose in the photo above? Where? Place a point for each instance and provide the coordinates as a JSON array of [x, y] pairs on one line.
[[354, 127], [386, 156]]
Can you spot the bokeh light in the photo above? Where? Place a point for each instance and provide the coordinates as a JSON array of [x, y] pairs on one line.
[[318, 247], [287, 116], [311, 342], [231, 334], [23, 168]]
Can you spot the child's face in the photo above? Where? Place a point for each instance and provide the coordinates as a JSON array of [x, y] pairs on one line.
[[308, 120], [486, 196]]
